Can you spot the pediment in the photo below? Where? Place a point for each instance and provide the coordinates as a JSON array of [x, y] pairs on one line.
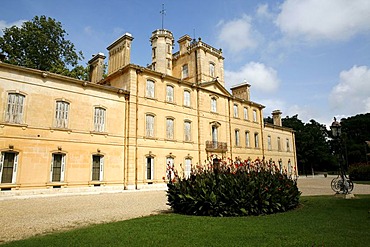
[[215, 87]]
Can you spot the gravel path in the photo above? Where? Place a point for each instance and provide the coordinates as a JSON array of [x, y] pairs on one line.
[[22, 217]]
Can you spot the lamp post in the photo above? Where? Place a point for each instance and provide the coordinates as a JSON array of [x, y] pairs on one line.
[[341, 184]]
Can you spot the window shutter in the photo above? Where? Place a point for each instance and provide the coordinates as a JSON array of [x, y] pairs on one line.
[[101, 168], [62, 168]]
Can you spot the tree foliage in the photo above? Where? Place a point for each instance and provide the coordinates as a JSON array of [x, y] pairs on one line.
[[41, 44]]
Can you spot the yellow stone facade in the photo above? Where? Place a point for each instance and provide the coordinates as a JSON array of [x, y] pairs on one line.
[[123, 130]]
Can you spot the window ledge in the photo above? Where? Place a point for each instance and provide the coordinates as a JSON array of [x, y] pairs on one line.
[[190, 142], [14, 124], [147, 97], [93, 132], [60, 129], [150, 138]]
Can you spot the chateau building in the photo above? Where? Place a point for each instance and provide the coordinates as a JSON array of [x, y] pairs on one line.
[[123, 129]]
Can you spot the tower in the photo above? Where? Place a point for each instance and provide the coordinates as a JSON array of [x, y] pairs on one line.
[[162, 43]]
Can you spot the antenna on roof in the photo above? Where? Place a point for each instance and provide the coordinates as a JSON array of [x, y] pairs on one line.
[[163, 13]]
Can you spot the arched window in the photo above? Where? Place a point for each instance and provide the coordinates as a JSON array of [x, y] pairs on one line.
[[186, 98], [149, 125], [170, 128], [187, 131], [184, 71], [211, 69], [247, 143], [213, 104], [256, 140], [99, 119]]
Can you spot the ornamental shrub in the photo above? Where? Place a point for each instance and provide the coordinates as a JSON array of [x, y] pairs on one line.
[[359, 172], [232, 189]]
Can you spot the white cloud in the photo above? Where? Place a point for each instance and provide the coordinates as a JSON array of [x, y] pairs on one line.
[[237, 35], [4, 24], [352, 94], [324, 20], [263, 11], [260, 76]]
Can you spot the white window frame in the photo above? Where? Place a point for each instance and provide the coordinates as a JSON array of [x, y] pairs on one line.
[[184, 71], [187, 131], [236, 111], [255, 116], [187, 170], [287, 145], [61, 114], [151, 168], [170, 93], [170, 128], [237, 137], [15, 166], [187, 96], [15, 108], [245, 110], [269, 145], [101, 167], [211, 69], [247, 141], [99, 119], [62, 169], [213, 104], [149, 125], [150, 89], [256, 140]]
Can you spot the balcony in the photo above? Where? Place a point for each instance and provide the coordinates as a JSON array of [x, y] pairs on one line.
[[212, 146]]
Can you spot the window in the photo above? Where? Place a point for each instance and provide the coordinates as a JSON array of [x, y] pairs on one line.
[[61, 114], [213, 104], [254, 116], [168, 64], [211, 69], [279, 143], [97, 167], [8, 167], [169, 93], [245, 111], [99, 119], [14, 110], [186, 98], [269, 146], [287, 145], [149, 167], [236, 111], [247, 144], [214, 136], [187, 167], [169, 48], [185, 71], [187, 131], [149, 127], [256, 140], [150, 89], [169, 128], [169, 168], [237, 138], [57, 167], [153, 52]]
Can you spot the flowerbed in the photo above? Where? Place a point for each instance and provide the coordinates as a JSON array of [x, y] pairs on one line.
[[227, 188]]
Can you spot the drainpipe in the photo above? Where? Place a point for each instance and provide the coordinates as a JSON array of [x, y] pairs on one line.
[[127, 127], [230, 133], [138, 72], [262, 139]]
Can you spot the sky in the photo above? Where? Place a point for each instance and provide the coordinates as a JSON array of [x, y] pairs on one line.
[[305, 57]]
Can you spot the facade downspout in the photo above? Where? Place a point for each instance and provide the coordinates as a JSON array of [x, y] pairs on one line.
[[295, 153], [198, 111], [126, 131], [262, 133], [230, 133], [138, 72]]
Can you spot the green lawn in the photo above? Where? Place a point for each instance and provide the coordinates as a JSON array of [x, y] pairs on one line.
[[319, 221]]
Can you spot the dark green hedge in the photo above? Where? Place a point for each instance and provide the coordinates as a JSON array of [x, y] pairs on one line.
[[233, 190], [359, 172]]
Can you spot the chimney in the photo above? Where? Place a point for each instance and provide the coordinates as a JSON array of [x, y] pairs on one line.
[[276, 117], [96, 65], [241, 91], [184, 43], [119, 53]]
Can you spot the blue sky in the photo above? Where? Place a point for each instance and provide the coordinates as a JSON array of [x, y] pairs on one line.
[[305, 57]]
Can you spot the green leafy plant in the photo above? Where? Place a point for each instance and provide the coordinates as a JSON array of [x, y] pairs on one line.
[[228, 188], [359, 172]]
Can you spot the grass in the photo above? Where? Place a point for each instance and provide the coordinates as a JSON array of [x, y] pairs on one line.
[[361, 182], [319, 221]]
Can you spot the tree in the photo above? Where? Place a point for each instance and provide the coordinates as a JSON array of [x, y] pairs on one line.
[[41, 44]]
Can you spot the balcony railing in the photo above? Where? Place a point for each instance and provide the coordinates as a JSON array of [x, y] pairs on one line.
[[216, 146]]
